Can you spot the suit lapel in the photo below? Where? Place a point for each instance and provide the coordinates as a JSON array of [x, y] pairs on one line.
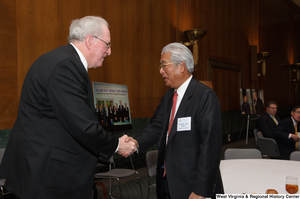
[[271, 121], [167, 109], [85, 75], [185, 103]]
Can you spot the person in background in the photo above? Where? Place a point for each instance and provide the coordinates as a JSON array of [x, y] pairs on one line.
[[188, 129], [106, 109], [286, 134], [126, 113], [258, 105], [268, 121], [245, 106], [57, 138], [102, 115], [121, 112]]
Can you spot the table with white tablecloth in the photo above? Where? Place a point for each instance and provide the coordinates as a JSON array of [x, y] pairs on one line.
[[257, 175]]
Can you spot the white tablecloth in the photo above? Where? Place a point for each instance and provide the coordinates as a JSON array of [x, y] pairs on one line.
[[257, 175]]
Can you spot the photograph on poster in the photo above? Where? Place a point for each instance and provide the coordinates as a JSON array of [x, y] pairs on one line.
[[112, 106], [258, 102], [252, 101], [245, 99]]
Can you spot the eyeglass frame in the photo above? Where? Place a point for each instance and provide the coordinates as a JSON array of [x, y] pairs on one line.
[[162, 66], [298, 112], [108, 45]]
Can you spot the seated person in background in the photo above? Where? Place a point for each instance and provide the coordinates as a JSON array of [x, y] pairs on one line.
[[286, 134], [268, 121], [245, 106], [258, 105]]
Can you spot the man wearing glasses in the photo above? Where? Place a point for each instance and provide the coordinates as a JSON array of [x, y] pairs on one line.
[[57, 138], [286, 134], [188, 129]]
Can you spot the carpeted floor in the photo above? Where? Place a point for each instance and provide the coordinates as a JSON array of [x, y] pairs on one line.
[[131, 189]]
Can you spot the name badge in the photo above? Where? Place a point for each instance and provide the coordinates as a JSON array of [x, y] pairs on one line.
[[184, 124]]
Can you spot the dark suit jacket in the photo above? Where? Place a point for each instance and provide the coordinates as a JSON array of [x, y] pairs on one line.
[[192, 157], [121, 111], [246, 108], [259, 108], [57, 139], [266, 125], [285, 145], [157, 110]]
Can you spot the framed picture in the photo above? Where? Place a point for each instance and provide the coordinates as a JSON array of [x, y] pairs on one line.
[[112, 106]]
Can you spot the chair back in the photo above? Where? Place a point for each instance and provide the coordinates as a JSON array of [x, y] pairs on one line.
[[295, 155], [268, 147], [255, 134], [2, 150], [237, 153], [259, 134], [151, 161]]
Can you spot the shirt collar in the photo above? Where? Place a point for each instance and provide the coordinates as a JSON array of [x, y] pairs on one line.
[[294, 122], [181, 90], [82, 58], [270, 114]]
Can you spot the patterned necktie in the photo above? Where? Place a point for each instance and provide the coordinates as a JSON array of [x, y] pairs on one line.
[[173, 112], [171, 122], [274, 120], [296, 133]]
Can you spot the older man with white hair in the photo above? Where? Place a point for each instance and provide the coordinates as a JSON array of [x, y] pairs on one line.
[[57, 138], [188, 129]]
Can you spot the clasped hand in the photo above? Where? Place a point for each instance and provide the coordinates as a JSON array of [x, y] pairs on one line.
[[127, 146], [295, 137]]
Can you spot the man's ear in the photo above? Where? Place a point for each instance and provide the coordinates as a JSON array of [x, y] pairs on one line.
[[183, 67], [88, 40]]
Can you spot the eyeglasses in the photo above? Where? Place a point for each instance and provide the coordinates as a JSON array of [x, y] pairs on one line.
[[163, 65], [108, 45], [298, 112]]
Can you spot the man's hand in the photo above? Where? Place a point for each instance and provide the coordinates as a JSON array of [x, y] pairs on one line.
[[126, 148], [194, 196], [132, 140], [295, 137]]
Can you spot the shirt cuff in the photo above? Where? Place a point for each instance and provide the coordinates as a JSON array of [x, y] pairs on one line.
[[117, 146]]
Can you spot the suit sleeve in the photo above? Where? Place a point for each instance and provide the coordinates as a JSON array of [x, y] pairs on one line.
[[210, 133], [152, 133], [260, 106], [263, 126], [283, 130], [70, 98]]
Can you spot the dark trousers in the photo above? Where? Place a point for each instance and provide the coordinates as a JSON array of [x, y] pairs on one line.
[[165, 186]]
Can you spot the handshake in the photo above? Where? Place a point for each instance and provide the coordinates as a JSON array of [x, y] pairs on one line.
[[127, 146]]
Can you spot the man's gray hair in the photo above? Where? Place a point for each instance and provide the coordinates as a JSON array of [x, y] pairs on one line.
[[89, 25], [180, 53]]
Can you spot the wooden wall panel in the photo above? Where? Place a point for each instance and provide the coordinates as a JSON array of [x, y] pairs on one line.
[[139, 30], [137, 39], [227, 38], [275, 37], [226, 84], [137, 42], [8, 64]]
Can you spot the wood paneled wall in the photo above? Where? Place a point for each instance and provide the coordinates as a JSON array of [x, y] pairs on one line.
[[8, 64], [276, 36], [139, 30]]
